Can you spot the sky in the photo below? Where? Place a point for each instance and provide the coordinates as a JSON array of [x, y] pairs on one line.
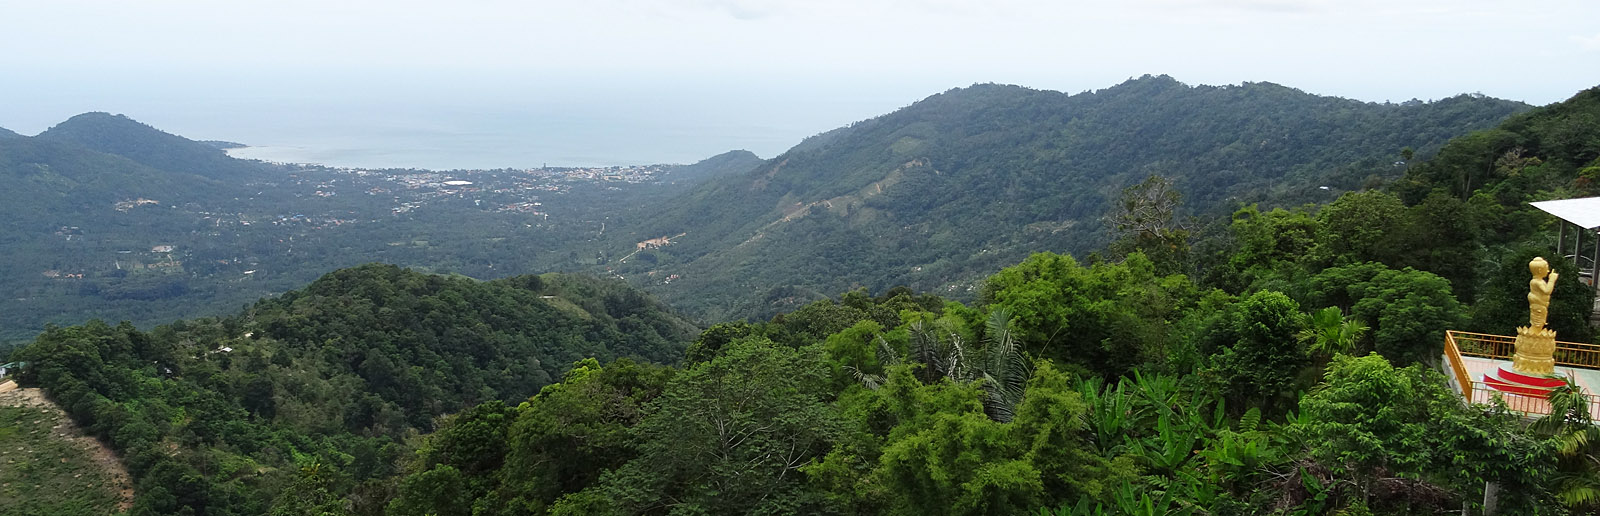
[[761, 74]]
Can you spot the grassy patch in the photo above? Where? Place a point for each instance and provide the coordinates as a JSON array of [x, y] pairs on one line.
[[42, 473]]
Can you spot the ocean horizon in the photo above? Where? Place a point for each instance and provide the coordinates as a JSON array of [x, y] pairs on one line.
[[476, 122], [466, 140]]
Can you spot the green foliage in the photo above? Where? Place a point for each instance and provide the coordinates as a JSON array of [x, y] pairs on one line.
[[1504, 303], [1267, 245], [122, 136], [1409, 310], [1328, 332], [1398, 441], [1576, 445], [376, 390], [937, 451], [431, 345], [941, 193], [299, 405], [728, 436], [1258, 354], [1360, 227], [1108, 317], [1143, 219]]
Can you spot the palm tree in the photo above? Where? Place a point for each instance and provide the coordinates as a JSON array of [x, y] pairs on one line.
[[1577, 445], [1328, 332], [1004, 370], [1001, 366]]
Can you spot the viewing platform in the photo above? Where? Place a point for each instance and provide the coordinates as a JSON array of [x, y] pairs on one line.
[[1482, 369]]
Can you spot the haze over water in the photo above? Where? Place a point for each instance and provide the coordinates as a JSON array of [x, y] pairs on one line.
[[481, 122], [447, 139]]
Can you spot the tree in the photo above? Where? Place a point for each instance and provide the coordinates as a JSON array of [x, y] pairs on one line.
[[941, 454], [1106, 318], [1359, 227], [1409, 309], [1576, 441], [1328, 332], [1441, 235], [999, 366], [1503, 305], [1143, 219], [1270, 244], [1258, 353], [727, 437], [1400, 441]]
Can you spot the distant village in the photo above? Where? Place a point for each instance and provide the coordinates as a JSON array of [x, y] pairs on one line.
[[314, 198]]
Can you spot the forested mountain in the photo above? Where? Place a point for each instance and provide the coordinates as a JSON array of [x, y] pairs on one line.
[[937, 194], [306, 398], [63, 184], [7, 133], [76, 212], [123, 136], [727, 163], [1293, 373], [114, 219]]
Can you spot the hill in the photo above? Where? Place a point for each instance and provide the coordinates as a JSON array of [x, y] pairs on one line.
[[942, 192], [7, 133], [68, 206], [226, 415], [727, 163], [123, 136]]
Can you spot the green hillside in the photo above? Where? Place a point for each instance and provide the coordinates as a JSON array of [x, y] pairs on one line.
[[225, 416], [72, 210], [1291, 370], [725, 164], [123, 136], [939, 193]]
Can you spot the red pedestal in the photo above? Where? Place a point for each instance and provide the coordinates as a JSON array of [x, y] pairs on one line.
[[1509, 381]]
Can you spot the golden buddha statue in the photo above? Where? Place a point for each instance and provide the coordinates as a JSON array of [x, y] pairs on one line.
[[1539, 289], [1536, 344]]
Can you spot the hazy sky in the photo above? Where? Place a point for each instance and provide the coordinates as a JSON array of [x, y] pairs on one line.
[[802, 66]]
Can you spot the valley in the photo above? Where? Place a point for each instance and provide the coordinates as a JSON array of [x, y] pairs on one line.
[[153, 255], [973, 305]]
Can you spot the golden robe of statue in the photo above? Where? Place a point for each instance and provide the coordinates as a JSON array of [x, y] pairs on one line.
[[1536, 344], [1539, 289]]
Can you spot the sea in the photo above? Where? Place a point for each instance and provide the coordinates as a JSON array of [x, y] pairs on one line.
[[465, 138], [477, 122]]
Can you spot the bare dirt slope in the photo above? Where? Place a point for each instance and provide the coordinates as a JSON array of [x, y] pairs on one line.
[[64, 459]]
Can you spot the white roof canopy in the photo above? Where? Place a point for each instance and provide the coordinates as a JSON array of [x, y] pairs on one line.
[[1584, 212]]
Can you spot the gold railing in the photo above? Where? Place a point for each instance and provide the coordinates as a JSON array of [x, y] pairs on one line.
[[1499, 347], [1452, 353]]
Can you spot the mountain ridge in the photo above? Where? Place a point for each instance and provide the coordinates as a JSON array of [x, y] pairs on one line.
[[983, 175]]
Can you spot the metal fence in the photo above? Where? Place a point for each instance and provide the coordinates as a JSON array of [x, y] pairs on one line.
[[1500, 347]]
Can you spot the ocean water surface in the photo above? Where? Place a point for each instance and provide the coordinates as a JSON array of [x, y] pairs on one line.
[[405, 120], [478, 138]]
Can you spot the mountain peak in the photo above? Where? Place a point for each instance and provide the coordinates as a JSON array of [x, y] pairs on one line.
[[123, 136]]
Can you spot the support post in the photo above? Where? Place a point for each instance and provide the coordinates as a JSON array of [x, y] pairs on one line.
[[1561, 238]]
